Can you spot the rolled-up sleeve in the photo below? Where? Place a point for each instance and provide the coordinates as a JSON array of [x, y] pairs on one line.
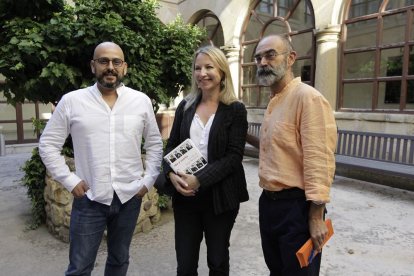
[[318, 136]]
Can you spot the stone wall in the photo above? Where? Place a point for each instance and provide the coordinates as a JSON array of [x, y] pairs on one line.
[[59, 206]]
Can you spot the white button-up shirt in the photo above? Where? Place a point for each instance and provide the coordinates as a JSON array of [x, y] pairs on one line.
[[106, 142], [200, 133]]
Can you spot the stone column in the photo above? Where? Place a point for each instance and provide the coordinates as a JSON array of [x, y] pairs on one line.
[[232, 53], [327, 62]]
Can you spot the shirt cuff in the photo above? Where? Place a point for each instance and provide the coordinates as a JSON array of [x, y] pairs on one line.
[[148, 182], [71, 181]]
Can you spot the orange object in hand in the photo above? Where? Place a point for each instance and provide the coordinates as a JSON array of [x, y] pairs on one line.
[[306, 253]]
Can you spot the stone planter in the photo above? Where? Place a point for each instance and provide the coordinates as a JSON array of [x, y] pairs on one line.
[[59, 206]]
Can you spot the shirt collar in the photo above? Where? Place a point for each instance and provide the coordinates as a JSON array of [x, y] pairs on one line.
[[286, 89], [120, 90]]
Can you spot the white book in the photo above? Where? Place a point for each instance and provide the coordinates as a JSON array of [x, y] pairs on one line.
[[186, 158]]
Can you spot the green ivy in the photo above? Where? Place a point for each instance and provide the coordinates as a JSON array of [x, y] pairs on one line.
[[34, 180], [163, 201], [34, 177], [38, 125]]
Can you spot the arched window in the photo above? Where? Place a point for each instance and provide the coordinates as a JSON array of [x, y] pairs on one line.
[[211, 23], [293, 17], [377, 57]]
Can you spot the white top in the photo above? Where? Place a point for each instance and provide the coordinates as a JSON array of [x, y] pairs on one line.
[[107, 143], [199, 133]]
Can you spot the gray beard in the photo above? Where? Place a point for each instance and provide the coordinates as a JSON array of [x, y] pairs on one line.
[[268, 79], [268, 76]]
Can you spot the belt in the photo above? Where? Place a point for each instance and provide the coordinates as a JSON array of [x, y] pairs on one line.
[[285, 194]]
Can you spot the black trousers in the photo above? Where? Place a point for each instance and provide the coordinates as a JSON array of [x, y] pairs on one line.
[[284, 229], [190, 225]]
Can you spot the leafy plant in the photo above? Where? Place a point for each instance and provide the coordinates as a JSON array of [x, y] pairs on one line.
[[163, 201], [38, 125], [34, 180], [46, 47]]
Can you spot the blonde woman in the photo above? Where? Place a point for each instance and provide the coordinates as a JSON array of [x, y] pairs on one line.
[[207, 203]]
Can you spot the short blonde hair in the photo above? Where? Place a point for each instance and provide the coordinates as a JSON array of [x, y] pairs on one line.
[[227, 95]]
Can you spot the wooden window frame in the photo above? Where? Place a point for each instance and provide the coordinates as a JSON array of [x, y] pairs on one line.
[[376, 79], [283, 20]]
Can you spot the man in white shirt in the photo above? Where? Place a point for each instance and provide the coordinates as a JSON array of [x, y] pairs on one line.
[[107, 122]]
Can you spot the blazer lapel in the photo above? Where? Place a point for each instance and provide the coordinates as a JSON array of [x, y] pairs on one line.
[[187, 120], [221, 114]]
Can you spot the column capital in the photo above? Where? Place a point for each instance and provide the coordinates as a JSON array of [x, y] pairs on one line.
[[231, 51], [330, 33]]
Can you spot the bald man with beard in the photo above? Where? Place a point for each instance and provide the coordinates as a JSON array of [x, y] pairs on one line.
[[107, 122], [296, 160]]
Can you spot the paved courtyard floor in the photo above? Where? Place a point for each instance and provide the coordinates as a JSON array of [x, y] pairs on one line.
[[374, 233]]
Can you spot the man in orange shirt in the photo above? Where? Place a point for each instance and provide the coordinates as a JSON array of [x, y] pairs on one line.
[[296, 160]]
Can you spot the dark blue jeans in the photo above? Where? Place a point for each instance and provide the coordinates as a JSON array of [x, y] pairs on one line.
[[88, 221], [284, 229]]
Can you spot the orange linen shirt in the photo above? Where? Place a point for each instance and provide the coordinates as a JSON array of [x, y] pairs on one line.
[[297, 142]]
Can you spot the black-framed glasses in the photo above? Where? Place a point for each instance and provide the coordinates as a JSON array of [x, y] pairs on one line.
[[116, 62], [268, 55]]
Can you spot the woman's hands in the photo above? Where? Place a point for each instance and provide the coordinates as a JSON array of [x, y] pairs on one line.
[[185, 184]]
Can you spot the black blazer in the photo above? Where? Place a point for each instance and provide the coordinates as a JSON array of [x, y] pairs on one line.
[[224, 174]]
